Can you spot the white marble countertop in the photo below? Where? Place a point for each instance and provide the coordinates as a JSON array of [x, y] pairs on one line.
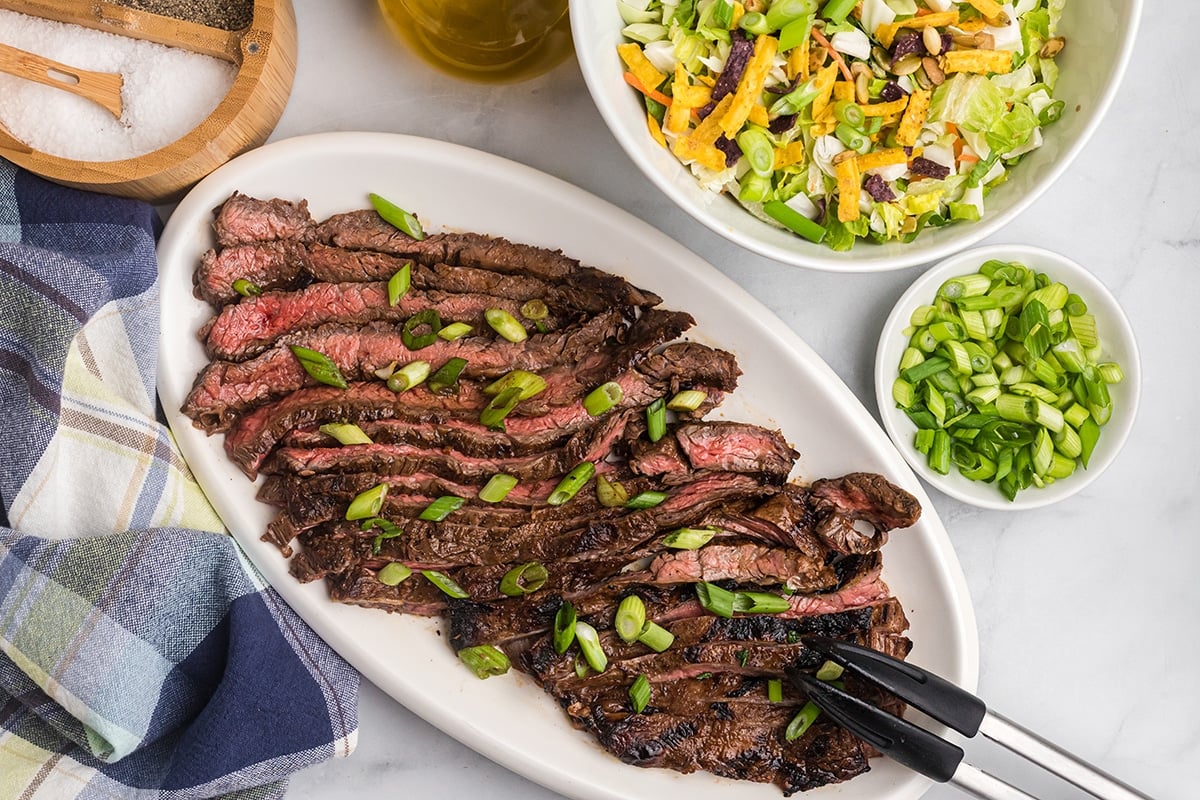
[[1088, 620]]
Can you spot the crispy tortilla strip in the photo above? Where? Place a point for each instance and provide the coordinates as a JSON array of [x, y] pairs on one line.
[[792, 153], [885, 109], [655, 129], [750, 86], [685, 94], [758, 115], [709, 129], [882, 158], [688, 150], [797, 63], [631, 53], [972, 25], [914, 117], [843, 90], [849, 181], [982, 62], [989, 8], [677, 118], [823, 84], [886, 33]]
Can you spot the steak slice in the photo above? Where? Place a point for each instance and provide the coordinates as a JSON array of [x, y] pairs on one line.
[[242, 219], [361, 587], [247, 328], [745, 563], [268, 265], [866, 497], [721, 446]]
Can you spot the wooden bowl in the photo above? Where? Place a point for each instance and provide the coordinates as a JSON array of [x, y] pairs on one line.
[[265, 56]]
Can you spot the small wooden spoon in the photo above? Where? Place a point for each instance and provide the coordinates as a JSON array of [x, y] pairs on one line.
[[100, 87]]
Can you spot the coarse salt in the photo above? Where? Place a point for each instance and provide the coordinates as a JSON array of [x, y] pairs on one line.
[[167, 92]]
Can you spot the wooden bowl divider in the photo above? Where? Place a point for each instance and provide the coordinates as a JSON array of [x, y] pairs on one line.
[[265, 56]]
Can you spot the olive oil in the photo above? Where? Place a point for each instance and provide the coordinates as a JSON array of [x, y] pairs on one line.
[[496, 41]]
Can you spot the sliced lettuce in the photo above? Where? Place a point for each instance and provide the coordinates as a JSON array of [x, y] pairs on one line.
[[1012, 130], [841, 235], [970, 101]]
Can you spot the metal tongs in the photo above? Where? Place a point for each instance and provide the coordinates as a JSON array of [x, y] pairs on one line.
[[920, 750]]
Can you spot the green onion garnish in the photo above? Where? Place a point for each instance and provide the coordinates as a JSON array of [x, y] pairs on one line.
[[589, 643], [570, 485], [385, 372], [445, 583], [455, 330], [630, 618], [687, 400], [445, 380], [603, 398], [758, 149], [803, 720], [564, 627], [656, 419], [345, 433], [319, 366], [399, 283], [485, 660], [411, 374], [396, 216], [441, 508], [524, 579], [775, 690], [830, 671], [759, 603], [530, 384], [794, 221], [246, 288], [581, 666], [393, 573], [639, 694], [715, 600], [367, 504], [849, 113], [505, 324], [499, 407], [534, 310], [387, 531], [656, 637], [611, 494], [497, 488], [428, 319], [689, 538], [646, 500]]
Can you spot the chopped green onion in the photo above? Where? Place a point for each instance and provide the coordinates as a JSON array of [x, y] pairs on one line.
[[656, 637], [1089, 434], [246, 288], [689, 538], [715, 600], [428, 318], [570, 485], [1110, 372], [781, 12], [383, 373], [639, 694], [534, 310], [564, 627], [830, 671], [611, 494], [388, 531], [411, 374], [445, 583], [803, 720], [939, 452], [445, 380], [319, 366], [849, 113], [794, 33], [758, 150], [759, 603], [345, 433], [441, 508], [501, 406], [497, 488], [648, 499], [794, 221], [603, 398], [754, 22], [367, 504], [630, 618], [965, 286], [455, 330], [775, 690], [505, 324], [393, 573], [581, 666], [656, 419], [524, 579], [485, 660], [687, 400], [530, 384], [837, 11], [399, 283], [397, 217], [589, 643], [853, 138]]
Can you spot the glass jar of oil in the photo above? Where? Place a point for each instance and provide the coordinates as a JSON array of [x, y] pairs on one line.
[[484, 40]]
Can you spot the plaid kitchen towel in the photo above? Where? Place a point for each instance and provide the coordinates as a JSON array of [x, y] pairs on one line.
[[141, 656]]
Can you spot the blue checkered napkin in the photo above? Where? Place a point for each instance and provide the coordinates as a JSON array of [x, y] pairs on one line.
[[140, 654]]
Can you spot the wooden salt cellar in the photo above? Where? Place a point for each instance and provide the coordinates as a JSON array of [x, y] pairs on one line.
[[265, 57]]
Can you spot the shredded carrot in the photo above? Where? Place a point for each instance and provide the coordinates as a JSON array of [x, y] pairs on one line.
[[653, 94], [820, 37], [967, 158]]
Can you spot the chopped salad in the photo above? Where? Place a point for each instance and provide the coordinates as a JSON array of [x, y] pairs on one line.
[[847, 119]]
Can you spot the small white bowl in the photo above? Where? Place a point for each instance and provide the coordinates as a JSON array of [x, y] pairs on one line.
[[1116, 339], [1100, 37]]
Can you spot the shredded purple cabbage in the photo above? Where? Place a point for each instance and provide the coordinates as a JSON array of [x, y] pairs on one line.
[[891, 92], [907, 44], [877, 187], [928, 169], [730, 148]]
